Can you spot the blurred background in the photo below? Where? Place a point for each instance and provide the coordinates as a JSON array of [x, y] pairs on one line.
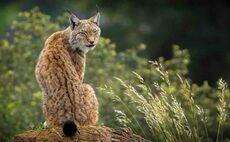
[[190, 38], [200, 26]]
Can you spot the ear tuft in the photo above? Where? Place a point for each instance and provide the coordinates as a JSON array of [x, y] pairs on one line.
[[95, 19], [74, 21]]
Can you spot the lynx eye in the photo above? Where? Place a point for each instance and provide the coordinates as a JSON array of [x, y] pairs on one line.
[[95, 31], [82, 33]]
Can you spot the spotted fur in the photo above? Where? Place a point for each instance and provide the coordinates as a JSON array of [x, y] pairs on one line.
[[60, 73]]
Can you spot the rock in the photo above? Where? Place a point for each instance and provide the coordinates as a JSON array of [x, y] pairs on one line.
[[87, 134]]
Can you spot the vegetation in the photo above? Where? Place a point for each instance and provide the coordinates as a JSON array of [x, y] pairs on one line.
[[200, 26], [157, 99]]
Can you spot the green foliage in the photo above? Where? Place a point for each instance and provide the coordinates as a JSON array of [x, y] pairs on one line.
[[19, 92], [159, 103]]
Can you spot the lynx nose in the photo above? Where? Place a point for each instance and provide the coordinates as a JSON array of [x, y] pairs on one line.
[[91, 42]]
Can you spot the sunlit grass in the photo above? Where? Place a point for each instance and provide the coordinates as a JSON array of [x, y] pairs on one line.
[[167, 117]]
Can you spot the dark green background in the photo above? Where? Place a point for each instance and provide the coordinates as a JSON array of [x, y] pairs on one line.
[[202, 26]]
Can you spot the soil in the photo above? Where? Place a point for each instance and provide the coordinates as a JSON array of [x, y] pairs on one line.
[[87, 134]]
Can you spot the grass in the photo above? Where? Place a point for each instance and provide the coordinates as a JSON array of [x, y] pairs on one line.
[[171, 116]]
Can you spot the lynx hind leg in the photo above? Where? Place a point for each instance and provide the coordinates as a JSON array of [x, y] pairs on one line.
[[57, 111], [50, 120], [90, 104]]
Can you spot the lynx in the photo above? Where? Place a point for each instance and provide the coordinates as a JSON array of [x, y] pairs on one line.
[[60, 73]]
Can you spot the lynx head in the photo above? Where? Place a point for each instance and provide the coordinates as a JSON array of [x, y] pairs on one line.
[[85, 33]]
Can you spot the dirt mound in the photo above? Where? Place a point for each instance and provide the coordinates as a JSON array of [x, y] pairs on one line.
[[87, 134]]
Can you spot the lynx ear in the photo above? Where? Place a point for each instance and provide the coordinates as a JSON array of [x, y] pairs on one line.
[[74, 21], [95, 19]]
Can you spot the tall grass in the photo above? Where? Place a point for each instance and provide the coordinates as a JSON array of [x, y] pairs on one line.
[[221, 107], [170, 117]]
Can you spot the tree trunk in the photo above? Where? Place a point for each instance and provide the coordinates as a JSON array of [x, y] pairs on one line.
[[87, 134]]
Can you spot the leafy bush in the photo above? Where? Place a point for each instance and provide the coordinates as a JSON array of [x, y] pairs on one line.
[[164, 86], [19, 93]]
